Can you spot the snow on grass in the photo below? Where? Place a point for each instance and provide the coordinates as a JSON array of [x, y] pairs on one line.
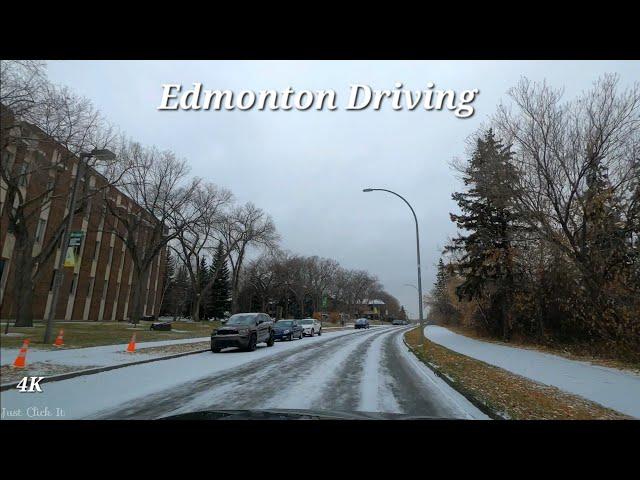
[[95, 356], [613, 388]]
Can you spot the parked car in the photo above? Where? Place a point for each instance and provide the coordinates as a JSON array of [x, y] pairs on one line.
[[245, 331], [311, 326], [397, 322], [161, 326], [362, 323], [287, 329]]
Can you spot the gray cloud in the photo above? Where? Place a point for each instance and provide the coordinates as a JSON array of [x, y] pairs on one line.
[[307, 169]]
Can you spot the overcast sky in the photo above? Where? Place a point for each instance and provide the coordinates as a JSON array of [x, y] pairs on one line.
[[308, 168]]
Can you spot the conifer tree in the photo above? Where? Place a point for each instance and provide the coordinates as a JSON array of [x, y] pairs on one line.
[[487, 251], [220, 294]]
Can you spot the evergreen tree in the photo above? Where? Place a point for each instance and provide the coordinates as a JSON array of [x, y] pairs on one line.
[[168, 286], [220, 294], [182, 291], [442, 277], [440, 295], [487, 252], [204, 275]]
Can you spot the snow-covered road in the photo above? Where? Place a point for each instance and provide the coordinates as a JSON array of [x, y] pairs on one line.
[[613, 388], [363, 370]]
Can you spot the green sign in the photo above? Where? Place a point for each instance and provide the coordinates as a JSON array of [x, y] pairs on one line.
[[324, 301], [75, 239]]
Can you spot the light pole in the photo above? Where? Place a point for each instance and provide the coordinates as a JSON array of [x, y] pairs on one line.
[[417, 254], [59, 274]]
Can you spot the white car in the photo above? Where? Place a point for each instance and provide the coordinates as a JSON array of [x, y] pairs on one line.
[[311, 327]]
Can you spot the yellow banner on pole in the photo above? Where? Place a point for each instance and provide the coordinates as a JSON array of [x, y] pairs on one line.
[[70, 259]]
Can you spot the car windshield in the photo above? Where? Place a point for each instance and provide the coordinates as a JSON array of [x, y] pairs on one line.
[[284, 323], [307, 322], [241, 319]]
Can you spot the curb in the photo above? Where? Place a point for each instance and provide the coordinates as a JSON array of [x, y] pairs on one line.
[[92, 371], [473, 400]]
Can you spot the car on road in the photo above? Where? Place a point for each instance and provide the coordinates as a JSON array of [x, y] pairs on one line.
[[399, 322], [362, 323], [245, 331], [287, 330], [311, 326]]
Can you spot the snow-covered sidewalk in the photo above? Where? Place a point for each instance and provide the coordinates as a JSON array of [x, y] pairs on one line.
[[613, 388], [92, 356]]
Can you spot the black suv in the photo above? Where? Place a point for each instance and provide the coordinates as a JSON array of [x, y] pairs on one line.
[[245, 331]]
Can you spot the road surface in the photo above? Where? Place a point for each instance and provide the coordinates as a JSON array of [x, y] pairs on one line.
[[366, 371], [350, 370]]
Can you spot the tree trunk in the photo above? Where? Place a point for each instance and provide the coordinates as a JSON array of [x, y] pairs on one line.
[[23, 282], [195, 307], [136, 304]]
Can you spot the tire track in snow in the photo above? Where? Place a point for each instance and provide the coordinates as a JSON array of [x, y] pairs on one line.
[[250, 385], [324, 386], [344, 391], [377, 387]]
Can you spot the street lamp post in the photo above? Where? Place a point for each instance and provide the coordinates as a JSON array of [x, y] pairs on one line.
[[59, 274], [417, 255]]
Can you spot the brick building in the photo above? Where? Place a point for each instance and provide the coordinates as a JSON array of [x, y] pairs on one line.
[[97, 283]]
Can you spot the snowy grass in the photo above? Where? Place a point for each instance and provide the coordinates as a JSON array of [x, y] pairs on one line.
[[505, 394], [613, 388], [90, 334]]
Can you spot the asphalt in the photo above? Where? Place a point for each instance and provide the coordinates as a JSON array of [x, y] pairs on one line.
[[364, 371]]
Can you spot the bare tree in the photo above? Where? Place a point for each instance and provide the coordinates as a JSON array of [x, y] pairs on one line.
[[199, 237], [322, 272], [561, 149], [163, 208], [246, 226]]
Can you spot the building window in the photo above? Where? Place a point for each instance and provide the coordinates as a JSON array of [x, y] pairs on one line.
[[87, 210], [2, 264], [7, 159], [110, 256], [96, 252], [53, 277], [104, 290], [22, 179], [90, 289], [73, 284], [42, 225], [50, 187]]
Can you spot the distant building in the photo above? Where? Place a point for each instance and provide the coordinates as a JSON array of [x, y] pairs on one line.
[[97, 281], [372, 309]]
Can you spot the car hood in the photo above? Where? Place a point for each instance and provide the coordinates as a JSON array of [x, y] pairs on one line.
[[293, 414], [231, 328], [281, 329]]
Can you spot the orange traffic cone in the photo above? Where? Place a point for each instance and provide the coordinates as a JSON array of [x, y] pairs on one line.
[[59, 341], [132, 344], [22, 355]]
